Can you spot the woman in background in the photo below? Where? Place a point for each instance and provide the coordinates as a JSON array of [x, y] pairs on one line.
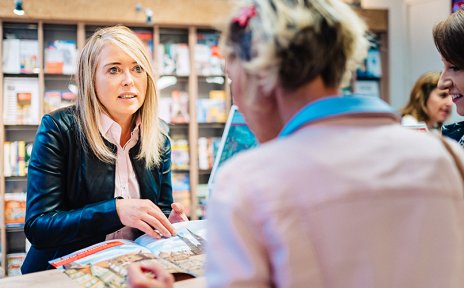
[[101, 169], [427, 104], [449, 40]]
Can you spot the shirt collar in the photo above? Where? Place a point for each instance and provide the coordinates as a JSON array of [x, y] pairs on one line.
[[108, 126], [337, 106]]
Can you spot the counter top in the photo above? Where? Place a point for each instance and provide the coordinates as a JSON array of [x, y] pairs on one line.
[[57, 279]]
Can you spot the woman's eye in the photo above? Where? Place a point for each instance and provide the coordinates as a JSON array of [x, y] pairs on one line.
[[113, 70], [138, 69], [454, 68]]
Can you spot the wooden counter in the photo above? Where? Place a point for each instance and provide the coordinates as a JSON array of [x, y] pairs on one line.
[[57, 279]]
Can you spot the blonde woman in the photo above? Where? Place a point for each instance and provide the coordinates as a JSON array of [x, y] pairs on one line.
[[101, 169], [427, 103]]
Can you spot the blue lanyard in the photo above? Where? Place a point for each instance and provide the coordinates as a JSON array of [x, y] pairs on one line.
[[333, 107]]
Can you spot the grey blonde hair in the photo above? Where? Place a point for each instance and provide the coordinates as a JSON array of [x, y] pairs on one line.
[[294, 41], [89, 107]]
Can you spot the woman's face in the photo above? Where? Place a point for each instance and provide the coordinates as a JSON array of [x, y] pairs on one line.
[[452, 79], [120, 83], [438, 106]]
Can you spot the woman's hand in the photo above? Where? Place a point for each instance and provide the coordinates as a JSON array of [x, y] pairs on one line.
[[148, 274], [145, 216], [177, 213]]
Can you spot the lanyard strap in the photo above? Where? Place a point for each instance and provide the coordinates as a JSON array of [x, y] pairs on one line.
[[336, 106]]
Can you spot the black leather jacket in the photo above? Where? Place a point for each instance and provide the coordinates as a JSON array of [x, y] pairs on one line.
[[454, 131], [70, 192]]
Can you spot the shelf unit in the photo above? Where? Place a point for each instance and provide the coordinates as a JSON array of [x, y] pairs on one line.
[[188, 19]]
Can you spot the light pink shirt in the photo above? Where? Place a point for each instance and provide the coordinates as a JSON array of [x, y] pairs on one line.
[[126, 184], [345, 202]]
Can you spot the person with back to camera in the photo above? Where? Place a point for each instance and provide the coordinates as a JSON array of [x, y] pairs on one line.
[[427, 104], [101, 169], [338, 194], [318, 208], [448, 36]]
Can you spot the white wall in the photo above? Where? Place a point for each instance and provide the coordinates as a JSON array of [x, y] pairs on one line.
[[411, 47], [422, 15], [397, 46]]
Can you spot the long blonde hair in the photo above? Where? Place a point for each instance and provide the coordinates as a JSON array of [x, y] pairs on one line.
[[89, 107]]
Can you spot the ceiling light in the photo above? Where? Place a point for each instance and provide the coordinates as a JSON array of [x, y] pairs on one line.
[[18, 10]]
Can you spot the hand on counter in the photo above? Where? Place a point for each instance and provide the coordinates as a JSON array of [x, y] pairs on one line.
[[145, 216], [149, 274]]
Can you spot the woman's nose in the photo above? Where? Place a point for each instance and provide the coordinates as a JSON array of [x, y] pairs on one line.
[[128, 79], [444, 82]]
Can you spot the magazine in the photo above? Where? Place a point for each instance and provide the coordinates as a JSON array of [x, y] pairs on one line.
[[105, 264]]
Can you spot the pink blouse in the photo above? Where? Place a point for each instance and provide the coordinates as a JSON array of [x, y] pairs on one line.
[[126, 184]]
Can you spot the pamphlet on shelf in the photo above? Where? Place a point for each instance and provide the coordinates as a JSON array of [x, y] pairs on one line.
[[16, 157], [202, 200], [21, 56], [208, 59], [60, 57], [182, 60], [55, 99], [179, 107], [20, 100], [28, 53], [106, 263], [14, 263], [11, 58], [164, 109], [181, 190], [207, 149], [174, 59], [15, 209], [180, 154]]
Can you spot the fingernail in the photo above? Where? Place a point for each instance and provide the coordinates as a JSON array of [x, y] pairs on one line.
[[156, 234]]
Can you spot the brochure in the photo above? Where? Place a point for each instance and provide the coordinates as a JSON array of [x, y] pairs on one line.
[[105, 264]]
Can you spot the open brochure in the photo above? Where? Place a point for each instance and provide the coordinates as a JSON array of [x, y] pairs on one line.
[[105, 264]]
